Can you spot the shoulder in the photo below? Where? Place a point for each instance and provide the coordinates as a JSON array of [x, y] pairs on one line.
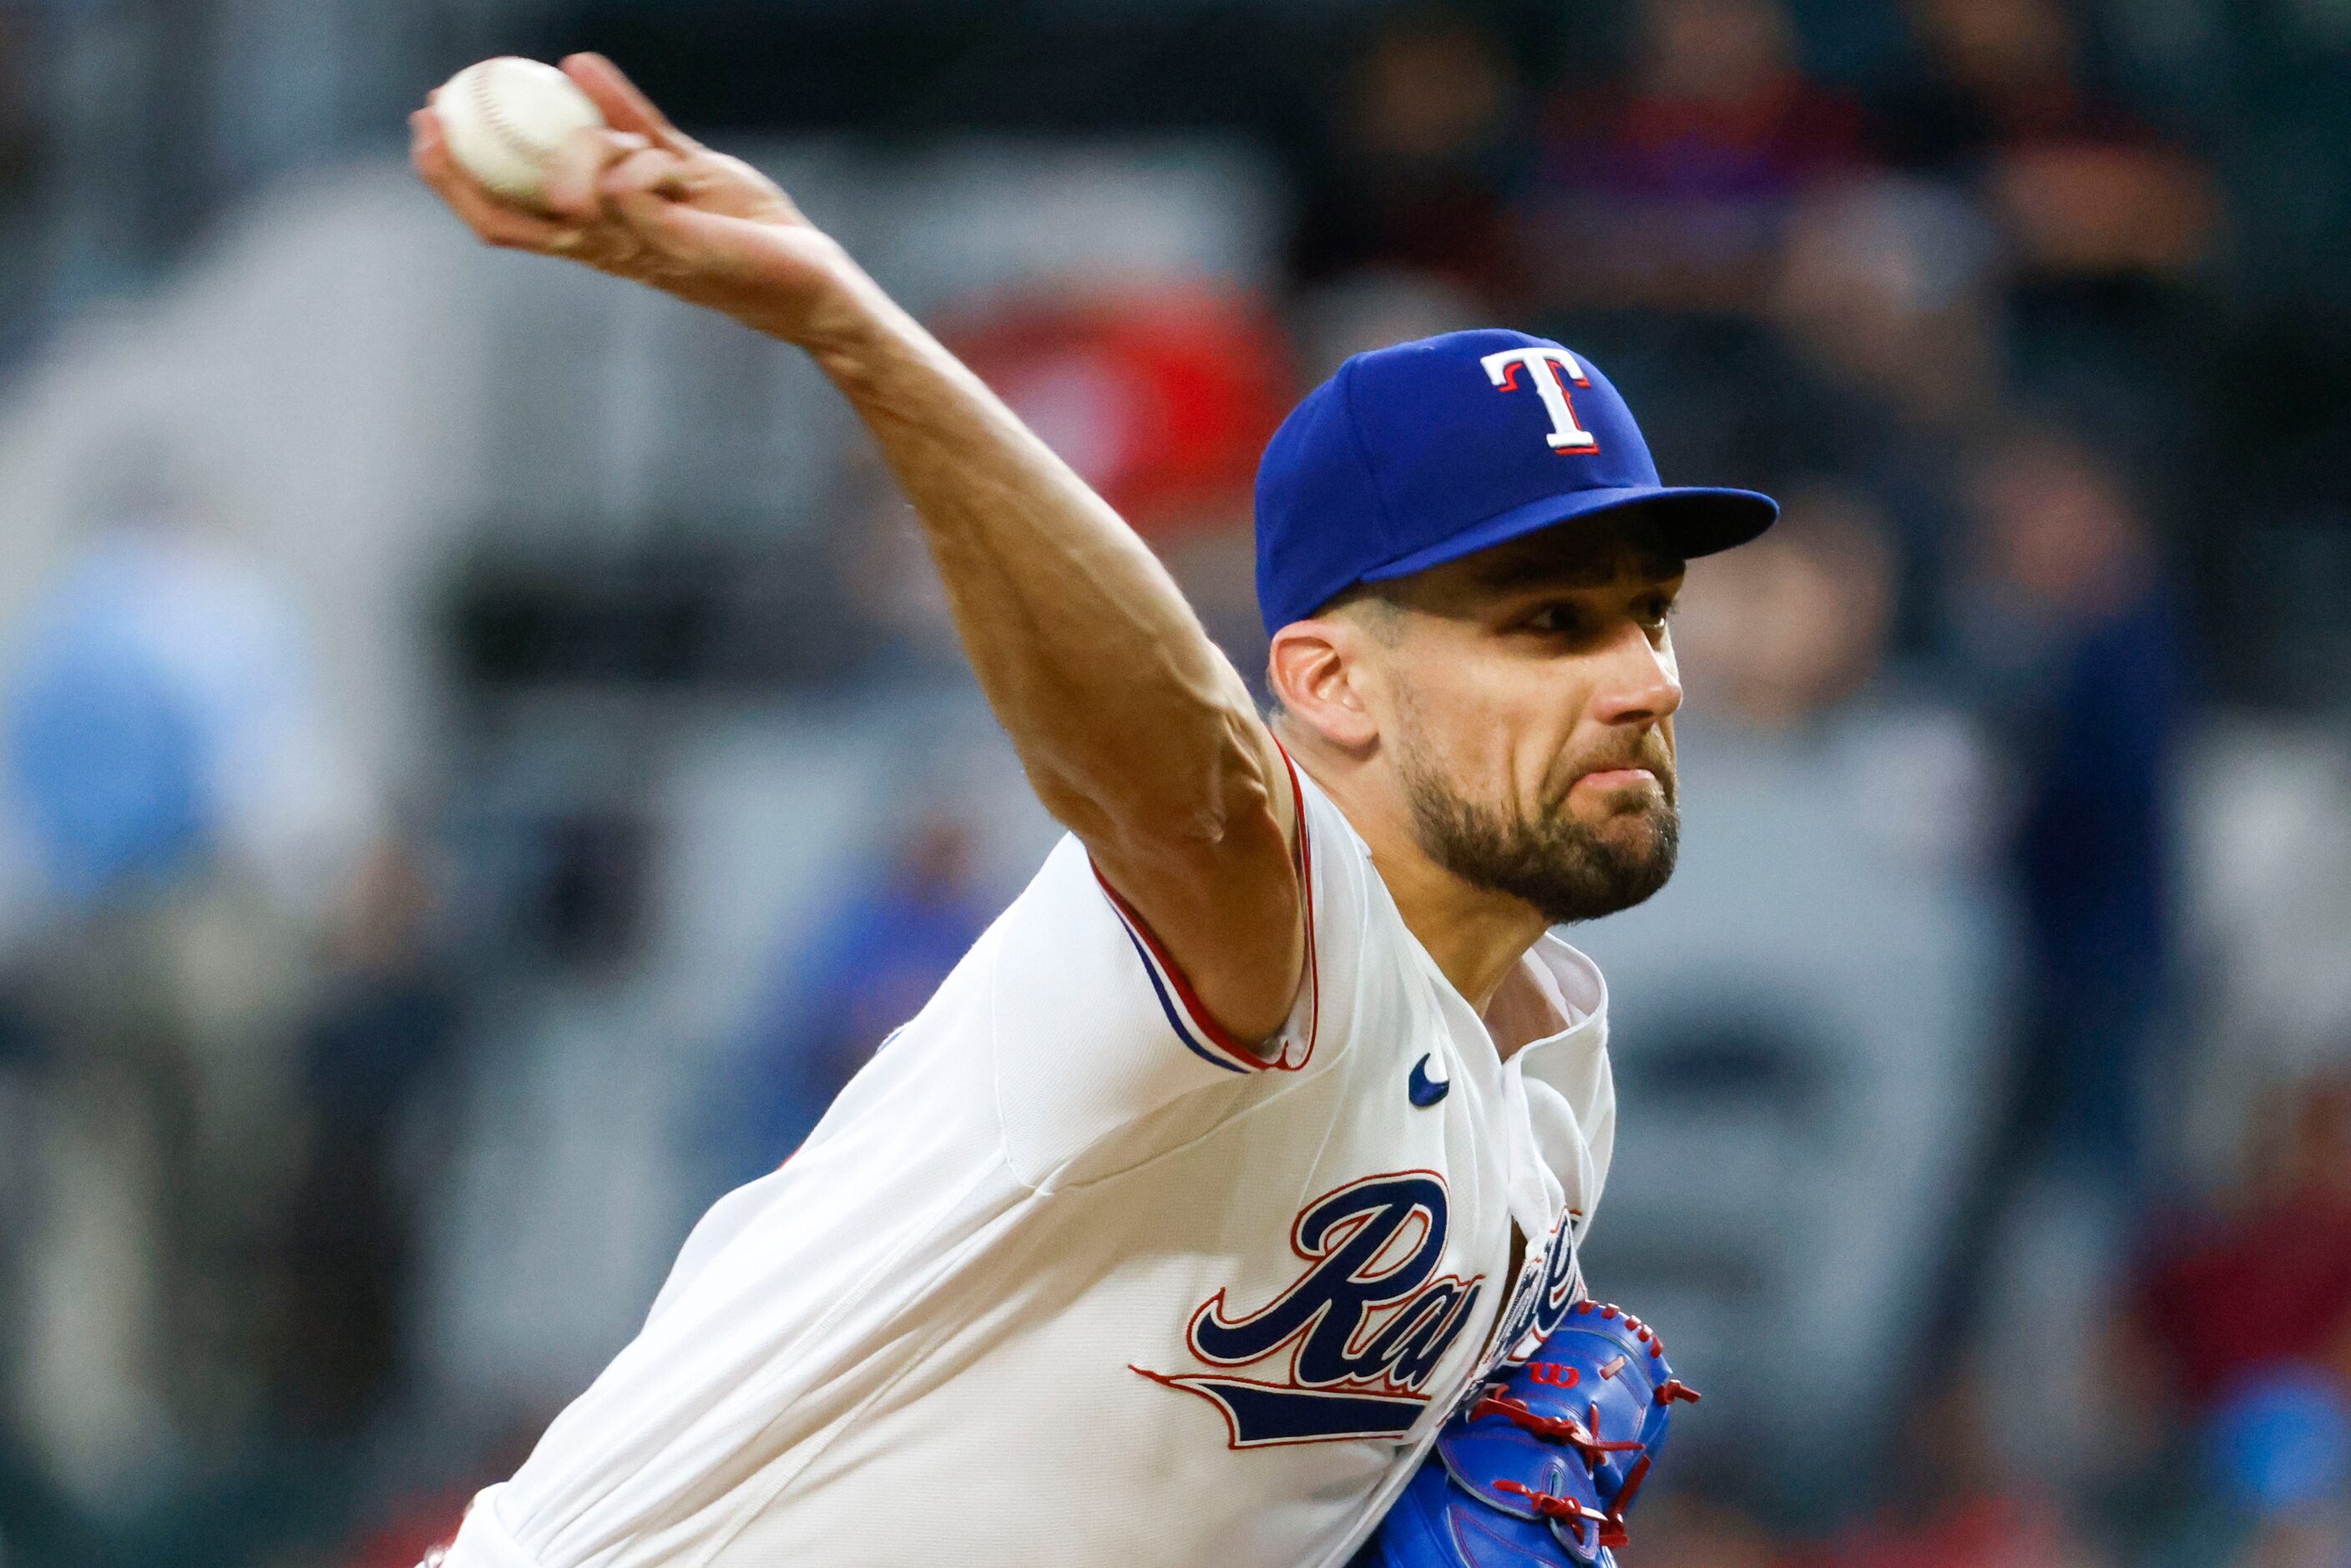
[[1093, 1025], [1366, 960]]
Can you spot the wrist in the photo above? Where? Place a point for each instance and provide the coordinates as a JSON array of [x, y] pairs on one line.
[[853, 325], [829, 306]]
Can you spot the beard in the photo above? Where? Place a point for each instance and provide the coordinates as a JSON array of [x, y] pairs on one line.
[[1566, 870]]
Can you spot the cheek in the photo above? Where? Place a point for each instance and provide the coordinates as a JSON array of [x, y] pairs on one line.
[[1503, 729], [1452, 718]]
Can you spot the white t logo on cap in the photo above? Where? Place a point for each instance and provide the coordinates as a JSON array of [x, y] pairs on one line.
[[1548, 365]]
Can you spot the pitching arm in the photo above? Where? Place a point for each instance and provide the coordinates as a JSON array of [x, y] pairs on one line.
[[1134, 730]]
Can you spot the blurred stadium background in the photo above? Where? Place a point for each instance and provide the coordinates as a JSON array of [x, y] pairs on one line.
[[481, 757]]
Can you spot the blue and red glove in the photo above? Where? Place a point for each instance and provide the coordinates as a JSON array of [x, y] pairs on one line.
[[1538, 1470]]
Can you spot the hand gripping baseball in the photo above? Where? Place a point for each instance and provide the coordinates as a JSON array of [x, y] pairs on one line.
[[1544, 1461], [639, 199]]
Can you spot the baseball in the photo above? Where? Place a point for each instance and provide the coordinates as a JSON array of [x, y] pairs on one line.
[[505, 119]]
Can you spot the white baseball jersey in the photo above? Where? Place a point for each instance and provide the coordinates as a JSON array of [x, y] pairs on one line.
[[1067, 1276]]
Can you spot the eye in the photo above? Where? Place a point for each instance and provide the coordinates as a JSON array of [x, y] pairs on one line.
[[1554, 619], [1658, 608]]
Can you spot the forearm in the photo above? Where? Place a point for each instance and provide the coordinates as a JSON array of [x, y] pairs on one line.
[[1134, 730], [1121, 708]]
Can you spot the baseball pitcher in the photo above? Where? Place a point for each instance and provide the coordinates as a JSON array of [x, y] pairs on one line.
[[1228, 1190]]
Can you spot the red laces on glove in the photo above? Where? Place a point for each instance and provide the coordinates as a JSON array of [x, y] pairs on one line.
[[1564, 1509], [1564, 1429]]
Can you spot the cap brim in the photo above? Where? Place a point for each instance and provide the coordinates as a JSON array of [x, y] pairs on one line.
[[1694, 519]]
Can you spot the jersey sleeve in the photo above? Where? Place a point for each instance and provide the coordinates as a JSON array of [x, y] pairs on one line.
[[1096, 1030]]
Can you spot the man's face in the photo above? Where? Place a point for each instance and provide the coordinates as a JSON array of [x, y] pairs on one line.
[[1526, 696]]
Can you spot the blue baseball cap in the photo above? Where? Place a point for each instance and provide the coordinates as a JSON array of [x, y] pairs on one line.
[[1420, 453]]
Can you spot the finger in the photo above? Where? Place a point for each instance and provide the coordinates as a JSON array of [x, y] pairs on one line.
[[423, 131], [655, 172], [499, 223], [567, 184], [625, 107]]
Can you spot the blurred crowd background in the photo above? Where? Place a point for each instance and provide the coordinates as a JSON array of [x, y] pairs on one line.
[[482, 757]]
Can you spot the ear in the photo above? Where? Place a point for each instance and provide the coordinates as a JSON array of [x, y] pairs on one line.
[[1323, 671]]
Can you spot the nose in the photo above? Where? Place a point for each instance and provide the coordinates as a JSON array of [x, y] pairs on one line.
[[1641, 684]]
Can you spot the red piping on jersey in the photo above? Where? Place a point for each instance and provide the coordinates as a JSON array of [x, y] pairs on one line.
[[1219, 1036], [1306, 888]]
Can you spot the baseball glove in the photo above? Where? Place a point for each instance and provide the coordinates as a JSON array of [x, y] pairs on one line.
[[1538, 1469]]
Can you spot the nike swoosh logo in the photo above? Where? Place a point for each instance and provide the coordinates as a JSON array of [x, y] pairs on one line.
[[1423, 1088]]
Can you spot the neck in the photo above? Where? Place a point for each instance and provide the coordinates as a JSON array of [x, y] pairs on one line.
[[1475, 935]]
